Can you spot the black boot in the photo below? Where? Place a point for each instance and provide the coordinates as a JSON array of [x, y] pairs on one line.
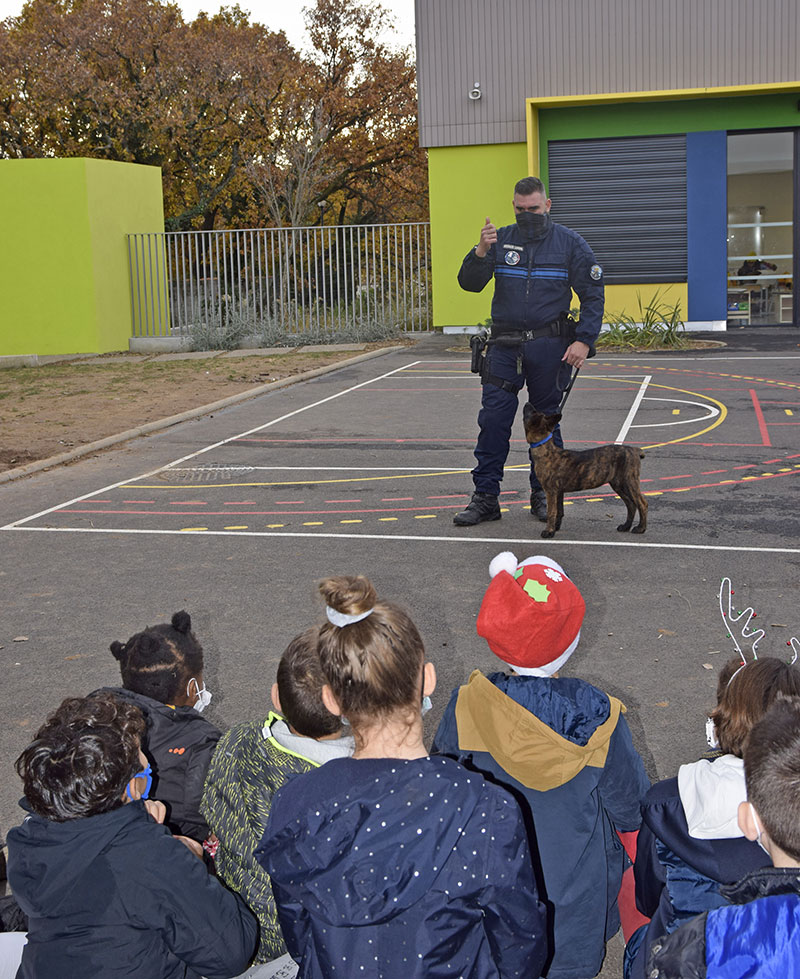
[[482, 506], [539, 504]]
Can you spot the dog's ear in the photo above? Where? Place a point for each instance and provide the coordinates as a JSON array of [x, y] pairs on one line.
[[552, 421], [527, 412]]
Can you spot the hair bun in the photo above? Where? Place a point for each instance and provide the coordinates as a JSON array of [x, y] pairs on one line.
[[182, 622], [118, 649], [350, 594]]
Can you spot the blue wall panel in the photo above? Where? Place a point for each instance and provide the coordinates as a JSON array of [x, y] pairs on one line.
[[707, 224]]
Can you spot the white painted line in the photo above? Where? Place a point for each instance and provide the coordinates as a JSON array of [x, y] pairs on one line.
[[711, 412], [208, 448], [654, 358], [221, 467], [634, 408], [533, 541]]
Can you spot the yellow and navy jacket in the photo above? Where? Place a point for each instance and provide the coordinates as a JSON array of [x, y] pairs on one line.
[[564, 750], [534, 279]]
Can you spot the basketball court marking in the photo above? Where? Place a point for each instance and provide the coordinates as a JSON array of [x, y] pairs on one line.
[[415, 367]]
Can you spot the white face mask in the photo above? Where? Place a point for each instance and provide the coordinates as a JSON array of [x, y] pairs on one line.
[[711, 733], [760, 830], [203, 695]]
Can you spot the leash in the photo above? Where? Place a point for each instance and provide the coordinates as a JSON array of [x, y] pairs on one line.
[[568, 388]]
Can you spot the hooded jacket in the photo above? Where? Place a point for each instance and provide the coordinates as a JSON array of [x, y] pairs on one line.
[[179, 743], [115, 895], [399, 868], [534, 279], [682, 863], [564, 749], [758, 934], [252, 761]]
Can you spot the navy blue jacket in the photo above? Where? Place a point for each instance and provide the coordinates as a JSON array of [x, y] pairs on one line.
[[678, 876], [115, 895], [757, 934], [533, 280], [403, 870], [564, 749]]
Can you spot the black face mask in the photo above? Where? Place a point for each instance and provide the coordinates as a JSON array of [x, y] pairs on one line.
[[533, 225]]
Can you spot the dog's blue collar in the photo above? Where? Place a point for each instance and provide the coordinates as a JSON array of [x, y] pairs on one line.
[[533, 445]]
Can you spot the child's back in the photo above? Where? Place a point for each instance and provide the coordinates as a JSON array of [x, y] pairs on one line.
[[564, 749], [252, 761]]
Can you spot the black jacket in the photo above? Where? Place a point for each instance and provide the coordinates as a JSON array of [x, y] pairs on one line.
[[757, 935], [115, 895], [533, 280], [179, 744]]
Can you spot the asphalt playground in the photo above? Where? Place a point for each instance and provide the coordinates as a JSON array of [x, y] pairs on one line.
[[236, 515]]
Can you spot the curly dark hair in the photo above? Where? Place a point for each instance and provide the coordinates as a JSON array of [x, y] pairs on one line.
[[159, 661], [82, 757]]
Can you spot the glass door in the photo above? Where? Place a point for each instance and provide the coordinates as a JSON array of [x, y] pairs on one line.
[[760, 227]]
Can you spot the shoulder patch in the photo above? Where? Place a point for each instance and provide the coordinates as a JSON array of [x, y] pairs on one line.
[[596, 272]]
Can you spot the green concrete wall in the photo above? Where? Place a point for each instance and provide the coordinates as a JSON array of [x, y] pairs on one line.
[[63, 253], [467, 184]]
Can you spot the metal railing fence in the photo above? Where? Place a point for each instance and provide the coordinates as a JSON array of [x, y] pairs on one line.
[[281, 280]]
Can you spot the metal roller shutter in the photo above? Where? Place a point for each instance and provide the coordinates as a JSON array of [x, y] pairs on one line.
[[627, 197]]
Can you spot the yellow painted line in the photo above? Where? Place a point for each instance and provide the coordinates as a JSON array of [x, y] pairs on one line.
[[595, 499], [686, 489], [425, 516], [786, 470], [193, 528], [767, 474], [240, 527], [722, 482], [568, 502], [788, 411], [750, 477], [320, 482], [272, 526], [386, 519], [351, 521], [676, 411], [654, 493], [313, 523]]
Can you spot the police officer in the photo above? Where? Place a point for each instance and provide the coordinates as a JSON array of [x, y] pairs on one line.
[[535, 263]]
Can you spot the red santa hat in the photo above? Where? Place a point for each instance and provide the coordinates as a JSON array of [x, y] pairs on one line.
[[531, 614]]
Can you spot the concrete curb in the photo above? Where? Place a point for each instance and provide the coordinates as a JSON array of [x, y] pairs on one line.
[[12, 474]]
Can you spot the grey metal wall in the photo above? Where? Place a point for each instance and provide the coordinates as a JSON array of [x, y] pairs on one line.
[[518, 49]]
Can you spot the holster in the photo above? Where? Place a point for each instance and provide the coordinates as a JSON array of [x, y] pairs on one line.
[[478, 343]]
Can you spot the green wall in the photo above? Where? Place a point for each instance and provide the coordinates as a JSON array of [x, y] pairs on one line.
[[657, 117], [467, 184], [63, 253]]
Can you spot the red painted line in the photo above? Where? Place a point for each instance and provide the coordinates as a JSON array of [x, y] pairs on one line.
[[713, 472], [396, 499], [180, 502], [127, 501], [762, 425], [509, 492], [769, 462], [292, 502], [452, 496], [342, 501], [684, 476], [749, 465], [239, 503], [795, 455]]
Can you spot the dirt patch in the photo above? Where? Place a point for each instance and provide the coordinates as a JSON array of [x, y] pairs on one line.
[[48, 410]]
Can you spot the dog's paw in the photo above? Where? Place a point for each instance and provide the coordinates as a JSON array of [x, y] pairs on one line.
[[548, 533], [624, 527], [638, 530]]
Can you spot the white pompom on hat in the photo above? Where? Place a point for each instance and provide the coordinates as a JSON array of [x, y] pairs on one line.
[[531, 614]]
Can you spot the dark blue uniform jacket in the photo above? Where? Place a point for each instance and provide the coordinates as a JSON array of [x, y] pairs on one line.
[[534, 279], [403, 870], [564, 749]]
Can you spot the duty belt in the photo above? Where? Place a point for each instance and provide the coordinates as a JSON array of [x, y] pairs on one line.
[[512, 337]]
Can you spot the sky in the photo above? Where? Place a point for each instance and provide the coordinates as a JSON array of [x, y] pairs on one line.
[[286, 15]]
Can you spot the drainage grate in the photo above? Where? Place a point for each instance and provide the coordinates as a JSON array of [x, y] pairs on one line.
[[204, 474]]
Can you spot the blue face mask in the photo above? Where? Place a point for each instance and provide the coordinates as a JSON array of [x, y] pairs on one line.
[[147, 775]]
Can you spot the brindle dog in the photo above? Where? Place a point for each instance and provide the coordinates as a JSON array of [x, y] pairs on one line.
[[560, 470]]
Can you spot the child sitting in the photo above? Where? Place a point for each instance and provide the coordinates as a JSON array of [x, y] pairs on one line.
[[758, 933], [690, 844], [162, 675], [561, 745], [107, 890], [253, 760]]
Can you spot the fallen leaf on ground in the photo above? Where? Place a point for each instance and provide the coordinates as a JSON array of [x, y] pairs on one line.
[[666, 632], [20, 638], [662, 703], [778, 625], [707, 666], [77, 656]]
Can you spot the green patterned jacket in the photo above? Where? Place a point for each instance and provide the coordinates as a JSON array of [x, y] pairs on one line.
[[246, 771]]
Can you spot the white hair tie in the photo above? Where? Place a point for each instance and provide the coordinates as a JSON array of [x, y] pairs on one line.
[[341, 619]]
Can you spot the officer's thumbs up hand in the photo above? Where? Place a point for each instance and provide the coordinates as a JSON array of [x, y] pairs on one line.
[[488, 238]]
